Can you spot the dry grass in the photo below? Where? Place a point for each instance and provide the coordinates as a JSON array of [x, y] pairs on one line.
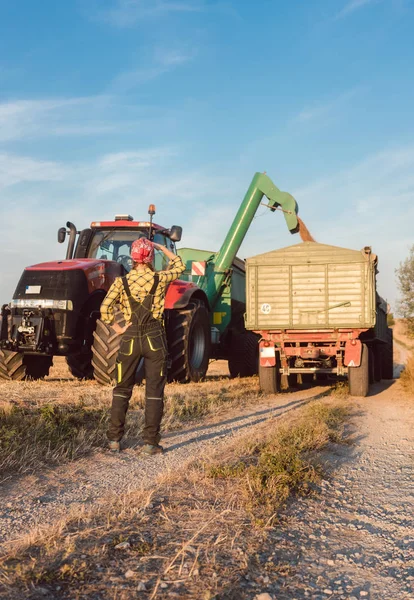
[[270, 470], [407, 376], [61, 419], [195, 535]]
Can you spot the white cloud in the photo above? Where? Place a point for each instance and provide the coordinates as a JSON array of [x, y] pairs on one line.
[[19, 169], [353, 6], [126, 13], [54, 116], [326, 110], [164, 61]]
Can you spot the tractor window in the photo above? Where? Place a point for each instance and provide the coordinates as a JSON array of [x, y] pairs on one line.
[[161, 261], [115, 245]]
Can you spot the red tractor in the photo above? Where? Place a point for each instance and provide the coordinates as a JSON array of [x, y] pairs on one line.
[[56, 307]]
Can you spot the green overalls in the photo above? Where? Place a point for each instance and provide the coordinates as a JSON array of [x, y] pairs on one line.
[[144, 338]]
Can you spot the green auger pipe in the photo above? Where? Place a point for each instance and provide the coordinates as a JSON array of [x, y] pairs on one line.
[[260, 186]]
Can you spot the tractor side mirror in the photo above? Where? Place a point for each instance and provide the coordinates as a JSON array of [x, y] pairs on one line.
[[61, 235], [175, 233]]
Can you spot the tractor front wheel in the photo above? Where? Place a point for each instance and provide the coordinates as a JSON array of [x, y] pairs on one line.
[[189, 341]]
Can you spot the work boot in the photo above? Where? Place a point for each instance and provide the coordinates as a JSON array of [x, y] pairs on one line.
[[114, 446], [151, 449]]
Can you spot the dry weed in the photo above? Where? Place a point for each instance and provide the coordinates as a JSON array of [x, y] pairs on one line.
[[407, 375], [283, 463]]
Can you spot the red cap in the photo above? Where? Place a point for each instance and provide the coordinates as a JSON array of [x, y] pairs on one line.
[[142, 251]]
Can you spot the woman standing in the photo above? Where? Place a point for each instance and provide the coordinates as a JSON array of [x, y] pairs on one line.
[[141, 296]]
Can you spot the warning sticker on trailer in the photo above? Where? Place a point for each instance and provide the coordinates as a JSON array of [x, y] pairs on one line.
[[267, 351], [265, 308]]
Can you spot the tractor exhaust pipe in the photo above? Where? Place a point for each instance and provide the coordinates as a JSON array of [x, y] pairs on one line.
[[72, 239]]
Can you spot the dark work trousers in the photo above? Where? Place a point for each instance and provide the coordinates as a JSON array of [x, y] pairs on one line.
[[145, 338]]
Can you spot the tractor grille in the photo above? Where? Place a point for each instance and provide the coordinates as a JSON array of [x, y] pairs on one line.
[[55, 285]]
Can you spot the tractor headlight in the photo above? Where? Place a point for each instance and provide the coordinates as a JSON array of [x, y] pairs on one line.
[[41, 303]]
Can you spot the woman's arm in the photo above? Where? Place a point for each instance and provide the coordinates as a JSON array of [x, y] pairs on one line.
[[174, 269], [111, 298]]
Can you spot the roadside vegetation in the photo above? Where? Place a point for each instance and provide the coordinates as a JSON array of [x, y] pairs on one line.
[[407, 375], [405, 279], [197, 534]]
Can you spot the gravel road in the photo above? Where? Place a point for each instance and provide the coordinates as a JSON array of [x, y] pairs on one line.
[[356, 538], [38, 499]]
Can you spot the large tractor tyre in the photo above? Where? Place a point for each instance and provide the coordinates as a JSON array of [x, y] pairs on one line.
[[387, 357], [358, 377], [15, 366], [244, 355], [80, 363], [105, 348], [189, 341], [270, 377], [12, 367]]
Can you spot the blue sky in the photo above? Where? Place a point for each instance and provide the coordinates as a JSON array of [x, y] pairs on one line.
[[108, 105]]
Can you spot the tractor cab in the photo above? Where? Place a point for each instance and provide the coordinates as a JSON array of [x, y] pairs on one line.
[[112, 240]]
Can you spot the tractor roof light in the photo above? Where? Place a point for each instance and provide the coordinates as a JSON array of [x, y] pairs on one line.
[[151, 209], [123, 218]]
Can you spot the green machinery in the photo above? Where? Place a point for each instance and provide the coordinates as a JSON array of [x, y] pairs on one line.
[[221, 276]]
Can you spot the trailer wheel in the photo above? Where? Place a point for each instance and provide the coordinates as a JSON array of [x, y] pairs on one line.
[[16, 366], [244, 355], [358, 377], [80, 363], [270, 377], [377, 363], [387, 356], [189, 340], [371, 365]]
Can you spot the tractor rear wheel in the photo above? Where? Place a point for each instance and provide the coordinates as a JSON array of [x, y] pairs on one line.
[[15, 366], [358, 377], [270, 377], [244, 356], [387, 357], [189, 340], [105, 348], [80, 363]]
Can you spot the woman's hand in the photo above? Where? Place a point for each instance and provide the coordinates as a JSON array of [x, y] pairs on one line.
[[166, 251], [120, 330]]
